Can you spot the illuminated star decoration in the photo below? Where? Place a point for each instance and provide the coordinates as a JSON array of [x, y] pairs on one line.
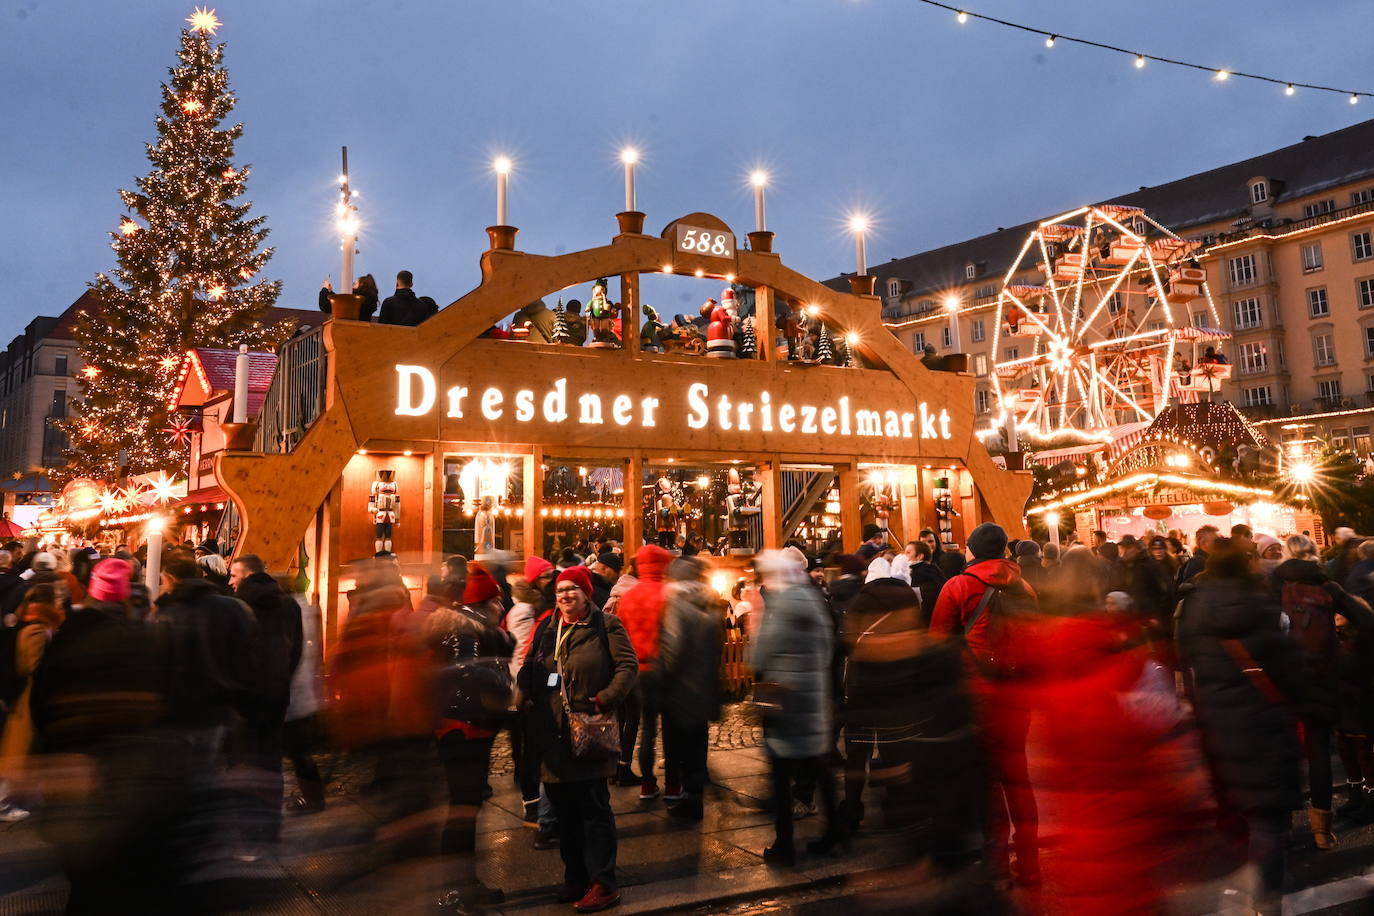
[[90, 371], [192, 106], [109, 501], [88, 429], [128, 227], [162, 488], [179, 431], [229, 174], [169, 362], [217, 291], [17, 475], [203, 20]]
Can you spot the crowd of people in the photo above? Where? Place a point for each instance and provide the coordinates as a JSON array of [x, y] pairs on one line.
[[1137, 688]]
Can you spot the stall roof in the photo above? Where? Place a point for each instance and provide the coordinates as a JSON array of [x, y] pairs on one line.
[[208, 373]]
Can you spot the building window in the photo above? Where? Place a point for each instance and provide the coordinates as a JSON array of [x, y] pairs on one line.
[[946, 339], [1156, 325], [1282, 353], [970, 271], [1362, 246], [985, 292], [893, 287], [1254, 397], [1369, 341], [1311, 257], [59, 365], [59, 404], [1259, 192], [1318, 208], [1340, 439], [1361, 197], [1360, 435], [1317, 306], [1114, 304], [1329, 389], [925, 305], [1322, 350], [980, 364], [978, 332], [1366, 291], [982, 399], [918, 341], [1199, 319], [1013, 353], [1248, 314], [1254, 358], [1242, 270]]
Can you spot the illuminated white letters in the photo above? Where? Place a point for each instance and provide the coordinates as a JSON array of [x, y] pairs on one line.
[[491, 403], [591, 409], [696, 403], [524, 405], [417, 395], [556, 402], [870, 424], [620, 410], [455, 401], [406, 404]]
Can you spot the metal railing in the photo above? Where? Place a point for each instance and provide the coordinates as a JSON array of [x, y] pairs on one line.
[[295, 398]]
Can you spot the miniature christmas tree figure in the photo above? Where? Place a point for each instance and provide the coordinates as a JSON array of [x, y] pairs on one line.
[[561, 334], [749, 345], [825, 351], [189, 262]]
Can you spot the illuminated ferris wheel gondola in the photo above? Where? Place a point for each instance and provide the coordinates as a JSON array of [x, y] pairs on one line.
[[1088, 344]]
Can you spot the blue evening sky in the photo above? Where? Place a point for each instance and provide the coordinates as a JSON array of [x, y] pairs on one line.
[[941, 131]]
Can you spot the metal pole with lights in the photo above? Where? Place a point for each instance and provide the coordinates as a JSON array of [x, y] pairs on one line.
[[348, 227]]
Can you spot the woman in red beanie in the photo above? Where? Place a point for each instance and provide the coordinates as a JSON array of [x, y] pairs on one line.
[[580, 660]]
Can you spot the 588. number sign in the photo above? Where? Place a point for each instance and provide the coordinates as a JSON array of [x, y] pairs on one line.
[[708, 242]]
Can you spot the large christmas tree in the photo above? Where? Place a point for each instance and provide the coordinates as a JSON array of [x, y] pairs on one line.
[[189, 261]]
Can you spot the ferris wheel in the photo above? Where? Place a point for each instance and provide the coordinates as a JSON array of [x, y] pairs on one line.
[[1088, 342]]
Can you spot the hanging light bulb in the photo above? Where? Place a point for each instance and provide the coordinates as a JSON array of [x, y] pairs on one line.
[[1354, 98], [1223, 75], [961, 17], [1140, 61], [1289, 90], [1049, 42]]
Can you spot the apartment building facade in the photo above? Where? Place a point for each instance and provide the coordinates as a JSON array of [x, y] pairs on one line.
[[1288, 246]]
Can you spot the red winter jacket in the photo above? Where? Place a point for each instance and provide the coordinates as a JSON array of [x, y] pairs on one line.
[[959, 600], [641, 608]]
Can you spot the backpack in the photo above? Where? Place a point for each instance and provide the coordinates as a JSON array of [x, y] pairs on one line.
[[1311, 614], [11, 684], [1005, 608]]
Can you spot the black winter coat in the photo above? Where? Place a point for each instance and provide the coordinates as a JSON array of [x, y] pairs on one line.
[[1151, 586], [365, 311], [212, 638], [277, 649], [401, 308], [928, 580], [1250, 740]]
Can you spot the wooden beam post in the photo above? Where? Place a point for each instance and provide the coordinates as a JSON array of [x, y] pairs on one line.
[[629, 315], [633, 527], [770, 476], [763, 322], [851, 522]]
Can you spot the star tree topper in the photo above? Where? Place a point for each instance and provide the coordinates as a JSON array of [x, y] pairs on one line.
[[203, 20]]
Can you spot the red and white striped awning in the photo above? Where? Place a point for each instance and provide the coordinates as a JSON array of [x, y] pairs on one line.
[[1192, 333], [1123, 437]]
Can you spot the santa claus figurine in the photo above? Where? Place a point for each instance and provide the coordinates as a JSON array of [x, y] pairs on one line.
[[720, 333]]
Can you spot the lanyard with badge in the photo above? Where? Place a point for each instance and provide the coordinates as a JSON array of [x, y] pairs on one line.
[[559, 639]]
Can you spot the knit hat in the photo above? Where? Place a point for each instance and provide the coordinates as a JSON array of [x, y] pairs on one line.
[[1263, 542], [43, 560], [109, 581], [901, 568], [796, 556], [879, 569], [578, 576], [871, 531], [612, 560], [988, 542], [535, 567], [1027, 548], [481, 586]]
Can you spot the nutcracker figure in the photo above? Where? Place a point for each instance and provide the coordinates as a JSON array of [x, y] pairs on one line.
[[484, 530], [666, 515], [741, 505], [384, 505], [601, 315]]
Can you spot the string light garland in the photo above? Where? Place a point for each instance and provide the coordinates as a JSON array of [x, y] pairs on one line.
[[1221, 74]]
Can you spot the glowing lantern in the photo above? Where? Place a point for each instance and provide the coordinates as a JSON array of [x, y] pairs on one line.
[[1158, 513], [1218, 507]]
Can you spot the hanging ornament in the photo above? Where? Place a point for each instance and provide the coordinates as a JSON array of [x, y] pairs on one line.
[[128, 227], [179, 430], [192, 106], [88, 429], [217, 291], [203, 21], [90, 372], [169, 362]]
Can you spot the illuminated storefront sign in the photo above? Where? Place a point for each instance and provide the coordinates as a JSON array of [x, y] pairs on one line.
[[418, 395]]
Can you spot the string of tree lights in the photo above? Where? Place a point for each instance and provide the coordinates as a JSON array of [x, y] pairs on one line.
[[189, 263], [1140, 58]]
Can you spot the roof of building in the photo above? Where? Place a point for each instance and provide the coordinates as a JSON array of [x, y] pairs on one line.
[[210, 372], [1307, 167]]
